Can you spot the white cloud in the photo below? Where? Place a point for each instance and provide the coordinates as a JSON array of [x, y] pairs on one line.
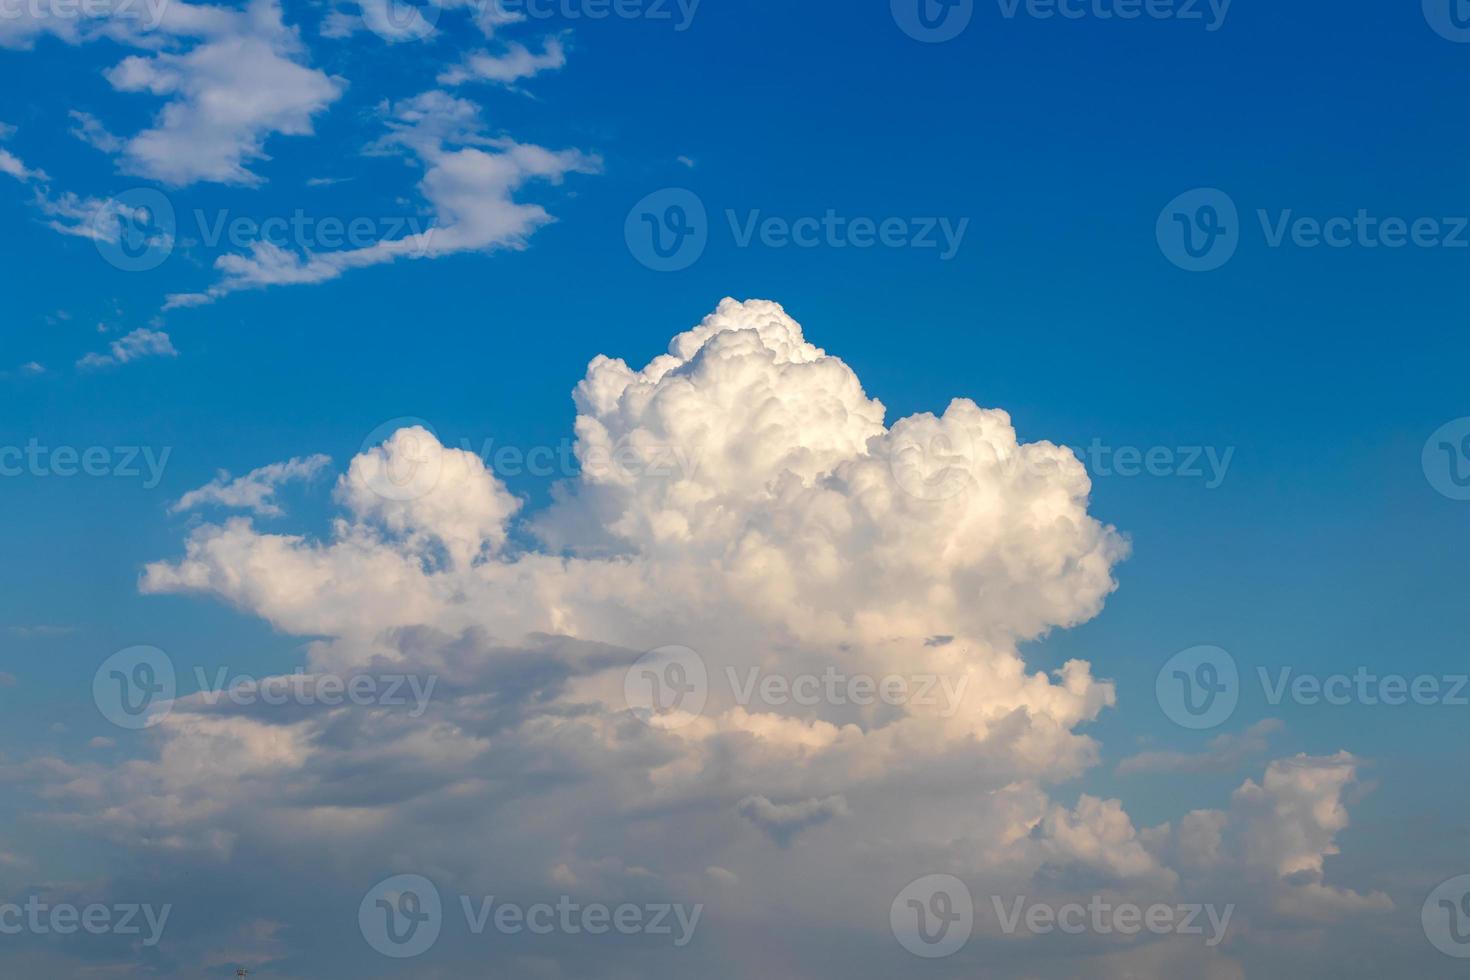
[[89, 129], [1224, 752], [512, 65], [469, 182], [69, 213], [243, 82], [812, 535], [139, 344], [255, 491]]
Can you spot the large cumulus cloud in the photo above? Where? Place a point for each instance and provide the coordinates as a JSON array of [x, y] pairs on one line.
[[742, 497]]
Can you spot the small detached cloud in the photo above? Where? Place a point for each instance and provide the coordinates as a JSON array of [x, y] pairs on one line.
[[255, 491], [40, 631], [783, 821], [516, 63], [469, 185], [89, 129], [1225, 752], [135, 346]]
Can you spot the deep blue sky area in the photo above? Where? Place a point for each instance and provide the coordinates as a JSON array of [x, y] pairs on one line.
[[1322, 371]]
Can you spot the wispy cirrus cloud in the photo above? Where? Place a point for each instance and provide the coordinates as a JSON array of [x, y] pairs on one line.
[[137, 345], [468, 184], [513, 64], [255, 491]]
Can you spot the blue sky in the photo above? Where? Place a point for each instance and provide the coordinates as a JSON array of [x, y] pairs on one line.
[[1046, 146]]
